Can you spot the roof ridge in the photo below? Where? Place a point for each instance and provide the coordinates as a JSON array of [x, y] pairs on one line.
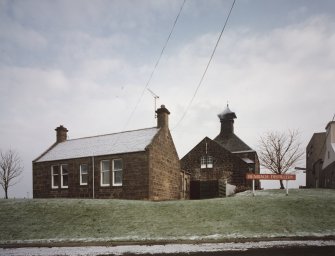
[[225, 141], [114, 133]]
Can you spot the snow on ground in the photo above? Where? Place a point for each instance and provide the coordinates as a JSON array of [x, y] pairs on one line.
[[192, 238], [304, 213], [153, 249]]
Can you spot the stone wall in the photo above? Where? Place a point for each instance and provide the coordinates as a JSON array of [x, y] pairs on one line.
[[153, 174], [164, 167], [314, 154], [135, 183], [328, 176], [225, 164]]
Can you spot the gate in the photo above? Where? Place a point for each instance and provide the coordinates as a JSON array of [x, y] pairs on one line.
[[204, 189]]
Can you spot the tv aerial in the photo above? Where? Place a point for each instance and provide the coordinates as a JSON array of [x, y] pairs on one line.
[[155, 100]]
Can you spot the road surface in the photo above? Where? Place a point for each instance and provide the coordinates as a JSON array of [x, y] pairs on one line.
[[261, 248]]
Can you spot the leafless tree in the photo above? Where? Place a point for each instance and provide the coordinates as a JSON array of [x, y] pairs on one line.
[[279, 151], [10, 169]]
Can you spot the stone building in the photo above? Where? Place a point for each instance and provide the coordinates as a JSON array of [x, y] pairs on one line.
[[320, 159], [225, 159], [138, 164]]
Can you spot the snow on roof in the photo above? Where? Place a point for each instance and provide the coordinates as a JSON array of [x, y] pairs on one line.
[[243, 151], [227, 112], [115, 143], [247, 160]]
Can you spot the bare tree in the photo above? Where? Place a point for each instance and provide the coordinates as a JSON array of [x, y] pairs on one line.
[[10, 169], [279, 151]]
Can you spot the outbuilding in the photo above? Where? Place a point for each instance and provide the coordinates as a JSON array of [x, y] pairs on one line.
[[217, 163], [139, 164]]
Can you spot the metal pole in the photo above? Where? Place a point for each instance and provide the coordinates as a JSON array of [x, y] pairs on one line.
[[287, 187], [253, 187]]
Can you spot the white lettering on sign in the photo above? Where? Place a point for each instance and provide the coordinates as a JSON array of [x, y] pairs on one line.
[[252, 176]]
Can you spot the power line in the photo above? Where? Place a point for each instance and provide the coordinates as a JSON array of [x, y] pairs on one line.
[[155, 67], [209, 62]]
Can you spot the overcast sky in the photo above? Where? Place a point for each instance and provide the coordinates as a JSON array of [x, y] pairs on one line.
[[83, 64]]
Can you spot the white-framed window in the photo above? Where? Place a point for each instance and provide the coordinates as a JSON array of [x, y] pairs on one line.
[[64, 181], [203, 161], [209, 162], [206, 162], [83, 174], [54, 176], [105, 173], [117, 172]]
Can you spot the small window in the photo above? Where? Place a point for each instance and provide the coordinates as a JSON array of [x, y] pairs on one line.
[[209, 162], [64, 176], [206, 162], [105, 180], [54, 176], [203, 162], [117, 172], [83, 174]]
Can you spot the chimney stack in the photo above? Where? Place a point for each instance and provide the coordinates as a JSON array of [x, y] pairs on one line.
[[162, 117], [61, 134]]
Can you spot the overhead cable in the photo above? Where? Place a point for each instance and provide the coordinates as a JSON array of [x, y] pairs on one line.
[[209, 62], [155, 67]]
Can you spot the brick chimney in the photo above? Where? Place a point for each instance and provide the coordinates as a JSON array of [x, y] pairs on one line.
[[162, 117], [61, 134]]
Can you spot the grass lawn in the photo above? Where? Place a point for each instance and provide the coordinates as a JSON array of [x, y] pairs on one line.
[[269, 214]]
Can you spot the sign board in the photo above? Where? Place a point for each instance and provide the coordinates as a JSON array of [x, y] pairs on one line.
[[252, 176]]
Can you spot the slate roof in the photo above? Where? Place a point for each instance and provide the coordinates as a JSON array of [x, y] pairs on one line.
[[115, 143], [232, 143]]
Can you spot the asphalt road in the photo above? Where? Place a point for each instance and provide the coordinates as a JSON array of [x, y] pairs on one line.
[[281, 251], [260, 248]]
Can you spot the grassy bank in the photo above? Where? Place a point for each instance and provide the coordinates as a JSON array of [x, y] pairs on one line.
[[269, 214]]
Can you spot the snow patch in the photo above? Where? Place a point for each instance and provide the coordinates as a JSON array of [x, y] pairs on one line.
[[153, 249]]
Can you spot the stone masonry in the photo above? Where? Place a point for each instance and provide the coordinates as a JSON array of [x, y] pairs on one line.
[[152, 174]]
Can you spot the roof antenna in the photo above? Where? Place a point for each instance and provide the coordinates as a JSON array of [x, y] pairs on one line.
[[155, 99], [227, 103]]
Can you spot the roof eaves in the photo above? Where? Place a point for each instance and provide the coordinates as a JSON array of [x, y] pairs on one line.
[[243, 151], [45, 152]]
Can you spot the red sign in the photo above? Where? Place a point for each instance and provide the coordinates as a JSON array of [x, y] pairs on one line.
[[252, 176]]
